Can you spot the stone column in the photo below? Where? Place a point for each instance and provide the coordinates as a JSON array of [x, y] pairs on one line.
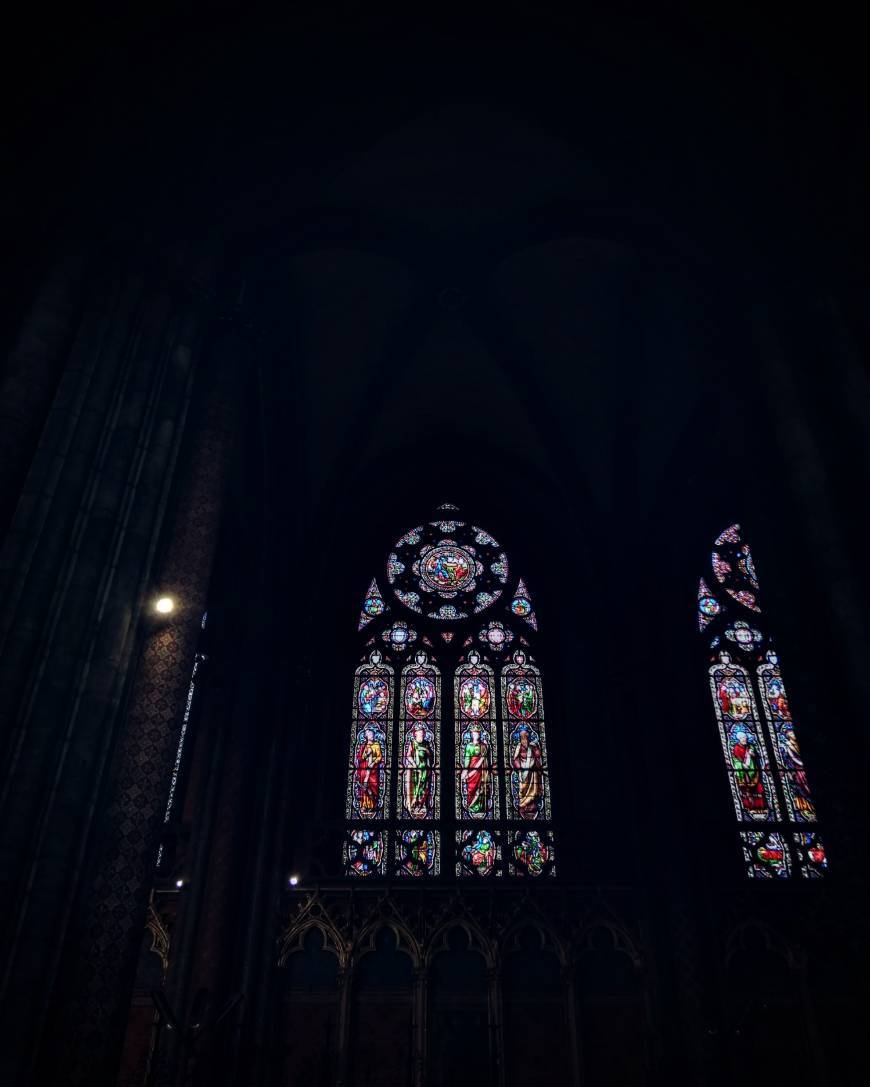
[[75, 568], [101, 965]]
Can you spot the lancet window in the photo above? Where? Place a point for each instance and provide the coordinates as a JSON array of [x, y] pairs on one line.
[[768, 780]]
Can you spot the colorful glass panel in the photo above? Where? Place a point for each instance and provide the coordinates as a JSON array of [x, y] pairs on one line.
[[474, 713], [525, 755], [399, 636], [708, 606], [368, 793], [744, 597], [447, 560], [373, 605], [730, 535], [747, 566], [421, 715], [763, 791], [532, 853], [811, 858], [721, 568], [365, 852], [478, 853], [744, 636], [447, 569], [742, 743], [521, 606], [417, 853], [496, 636], [787, 754], [765, 854]]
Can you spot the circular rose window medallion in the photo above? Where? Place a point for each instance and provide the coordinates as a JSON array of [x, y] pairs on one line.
[[447, 568]]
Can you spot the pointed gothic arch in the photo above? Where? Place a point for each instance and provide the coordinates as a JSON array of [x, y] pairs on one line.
[[768, 780], [448, 769]]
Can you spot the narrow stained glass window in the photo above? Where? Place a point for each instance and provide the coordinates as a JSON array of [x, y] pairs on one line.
[[421, 727], [742, 743], [476, 788], [368, 794], [526, 776], [765, 766]]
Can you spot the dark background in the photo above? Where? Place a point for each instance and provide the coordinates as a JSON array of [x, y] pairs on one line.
[[597, 278]]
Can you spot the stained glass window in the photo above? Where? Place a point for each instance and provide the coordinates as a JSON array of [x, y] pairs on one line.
[[742, 742], [765, 766], [448, 573], [525, 751], [474, 714], [368, 789], [421, 728], [373, 605]]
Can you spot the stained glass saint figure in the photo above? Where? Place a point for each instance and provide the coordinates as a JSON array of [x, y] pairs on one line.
[[476, 774], [369, 773], [527, 776], [747, 773], [418, 761]]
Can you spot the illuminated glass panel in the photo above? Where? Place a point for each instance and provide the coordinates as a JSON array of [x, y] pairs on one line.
[[730, 535], [478, 853], [532, 853], [447, 569], [742, 743], [810, 852], [496, 636], [774, 792], [368, 794], [521, 606], [789, 763], [474, 713], [373, 605], [420, 728], [744, 597], [708, 606], [399, 636], [417, 853], [525, 754], [365, 852], [765, 854]]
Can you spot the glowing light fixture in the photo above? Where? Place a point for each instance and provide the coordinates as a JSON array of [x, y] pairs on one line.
[[294, 880], [164, 605]]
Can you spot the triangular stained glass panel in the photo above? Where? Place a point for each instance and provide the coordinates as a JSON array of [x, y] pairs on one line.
[[521, 605], [447, 635], [730, 535], [708, 606], [374, 605]]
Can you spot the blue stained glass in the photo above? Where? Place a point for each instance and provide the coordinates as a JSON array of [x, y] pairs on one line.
[[478, 853], [365, 852]]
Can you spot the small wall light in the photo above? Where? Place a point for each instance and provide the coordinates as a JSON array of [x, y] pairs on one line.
[[294, 880], [164, 605], [179, 883]]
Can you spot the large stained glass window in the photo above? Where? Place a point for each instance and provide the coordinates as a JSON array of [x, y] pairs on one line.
[[768, 780], [454, 780]]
